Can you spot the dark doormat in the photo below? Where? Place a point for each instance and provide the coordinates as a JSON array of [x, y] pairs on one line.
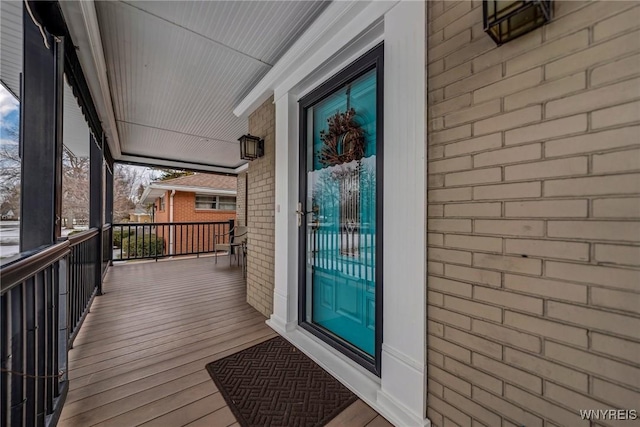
[[275, 384]]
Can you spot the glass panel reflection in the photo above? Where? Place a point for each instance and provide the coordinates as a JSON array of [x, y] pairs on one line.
[[341, 223]]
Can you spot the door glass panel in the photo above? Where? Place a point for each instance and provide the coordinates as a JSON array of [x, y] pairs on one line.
[[341, 213]]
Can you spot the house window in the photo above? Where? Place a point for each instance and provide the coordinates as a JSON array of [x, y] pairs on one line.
[[206, 202], [162, 203], [225, 203]]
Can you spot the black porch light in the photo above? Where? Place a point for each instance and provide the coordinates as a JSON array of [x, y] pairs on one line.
[[504, 20], [251, 147]]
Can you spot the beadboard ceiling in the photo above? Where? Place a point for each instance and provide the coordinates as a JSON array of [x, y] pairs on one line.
[[176, 70], [11, 44]]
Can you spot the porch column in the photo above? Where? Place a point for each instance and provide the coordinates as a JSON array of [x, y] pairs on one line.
[[40, 136], [95, 202], [404, 353], [285, 292], [108, 202]]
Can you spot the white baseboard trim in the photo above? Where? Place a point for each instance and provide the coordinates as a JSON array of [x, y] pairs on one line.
[[399, 412]]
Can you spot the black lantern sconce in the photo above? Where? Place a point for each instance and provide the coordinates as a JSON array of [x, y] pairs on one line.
[[504, 20], [251, 147]]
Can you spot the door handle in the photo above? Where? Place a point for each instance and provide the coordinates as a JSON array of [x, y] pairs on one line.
[[300, 213]]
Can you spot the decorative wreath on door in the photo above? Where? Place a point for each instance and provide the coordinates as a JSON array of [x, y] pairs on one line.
[[343, 141]]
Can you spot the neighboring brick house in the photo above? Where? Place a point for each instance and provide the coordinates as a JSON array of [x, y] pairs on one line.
[[199, 197], [193, 198]]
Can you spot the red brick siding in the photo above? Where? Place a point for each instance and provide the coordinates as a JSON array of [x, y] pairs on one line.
[[184, 210]]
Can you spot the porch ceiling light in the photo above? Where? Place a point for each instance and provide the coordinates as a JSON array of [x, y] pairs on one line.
[[251, 147], [504, 20]]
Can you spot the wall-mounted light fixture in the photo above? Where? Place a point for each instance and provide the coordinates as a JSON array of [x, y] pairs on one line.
[[251, 147], [504, 20]]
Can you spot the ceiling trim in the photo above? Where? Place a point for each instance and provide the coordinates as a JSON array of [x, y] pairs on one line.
[[95, 41], [242, 168], [338, 25], [207, 138], [367, 29], [320, 27], [150, 161], [301, 84], [82, 22]]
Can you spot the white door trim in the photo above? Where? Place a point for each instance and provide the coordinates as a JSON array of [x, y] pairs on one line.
[[400, 393]]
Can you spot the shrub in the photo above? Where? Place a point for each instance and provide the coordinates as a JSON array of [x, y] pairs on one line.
[[150, 246], [120, 234]]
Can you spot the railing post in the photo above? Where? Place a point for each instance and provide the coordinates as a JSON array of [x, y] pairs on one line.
[[95, 203], [108, 208], [62, 356], [231, 233], [63, 323]]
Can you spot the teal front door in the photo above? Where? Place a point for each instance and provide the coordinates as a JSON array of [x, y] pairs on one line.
[[339, 215]]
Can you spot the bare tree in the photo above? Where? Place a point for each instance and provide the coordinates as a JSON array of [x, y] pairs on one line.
[[75, 188], [127, 188], [125, 179], [10, 201], [10, 174], [10, 162], [129, 183]]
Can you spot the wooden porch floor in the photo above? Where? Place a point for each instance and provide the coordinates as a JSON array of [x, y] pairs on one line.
[[140, 356]]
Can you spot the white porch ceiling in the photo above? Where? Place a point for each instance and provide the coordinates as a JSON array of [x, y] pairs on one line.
[[177, 69], [11, 44]]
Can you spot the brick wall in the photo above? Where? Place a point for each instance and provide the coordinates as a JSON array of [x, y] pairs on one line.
[[241, 199], [162, 215], [534, 256], [184, 210], [260, 216]]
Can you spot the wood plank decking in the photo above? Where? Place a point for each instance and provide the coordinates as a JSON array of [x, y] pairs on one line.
[[140, 356]]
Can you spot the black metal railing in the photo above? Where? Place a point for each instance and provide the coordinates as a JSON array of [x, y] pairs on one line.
[[45, 295], [158, 240], [83, 262], [33, 337]]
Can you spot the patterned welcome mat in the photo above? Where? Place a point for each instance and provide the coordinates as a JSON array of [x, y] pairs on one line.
[[275, 384]]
